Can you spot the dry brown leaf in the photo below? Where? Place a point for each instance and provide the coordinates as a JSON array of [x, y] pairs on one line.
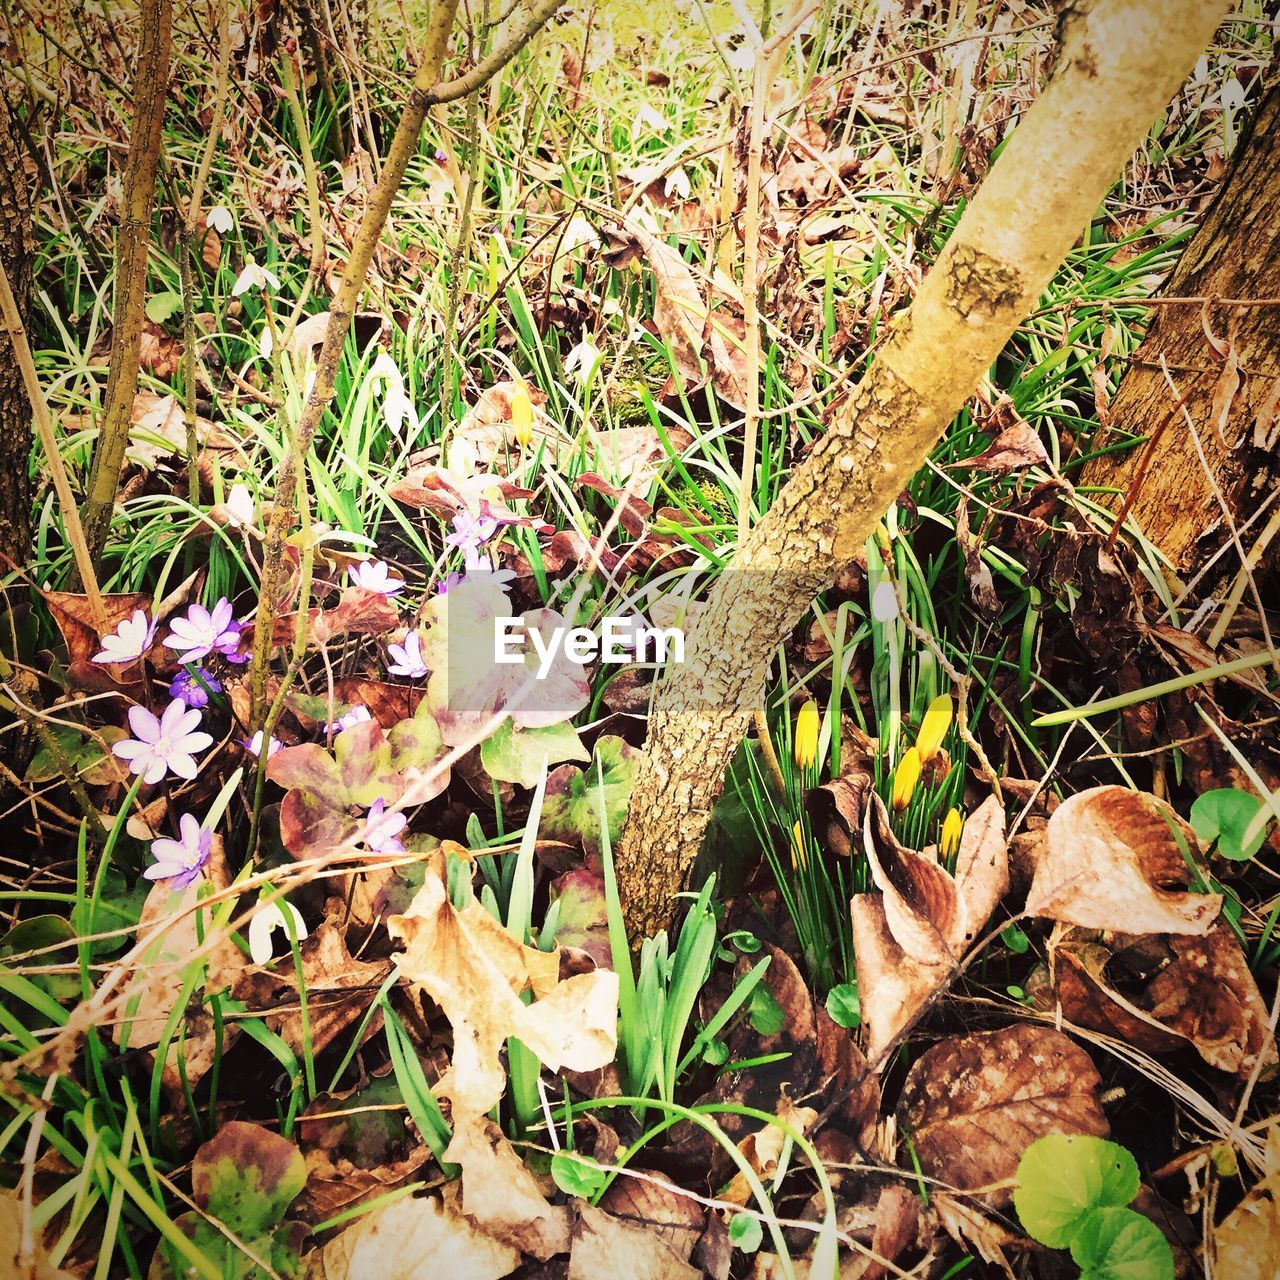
[[413, 1239], [159, 353], [1246, 1244], [973, 1104], [158, 978], [673, 1217], [1109, 863], [971, 1229], [339, 990], [909, 936], [607, 1246], [500, 1194], [1015, 447], [681, 314], [476, 972], [37, 1267], [160, 429], [763, 1149]]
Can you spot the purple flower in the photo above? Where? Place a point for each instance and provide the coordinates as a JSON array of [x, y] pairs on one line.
[[375, 575], [193, 685], [353, 717], [408, 658], [448, 582], [181, 860], [381, 829], [204, 630], [166, 744], [129, 641], [470, 531], [441, 155], [254, 745]]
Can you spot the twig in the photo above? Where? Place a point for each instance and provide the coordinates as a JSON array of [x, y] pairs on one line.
[[53, 458]]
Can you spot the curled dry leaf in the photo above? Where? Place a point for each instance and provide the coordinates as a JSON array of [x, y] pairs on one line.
[[500, 1194], [476, 972], [909, 936], [682, 316], [1246, 1245], [1201, 992], [973, 1104], [413, 1239], [607, 1246], [672, 1216], [1111, 861]]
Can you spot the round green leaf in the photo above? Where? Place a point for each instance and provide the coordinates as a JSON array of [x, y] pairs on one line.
[[577, 1175], [518, 755], [1064, 1177], [745, 1232], [1119, 1244], [843, 1005], [1225, 815]]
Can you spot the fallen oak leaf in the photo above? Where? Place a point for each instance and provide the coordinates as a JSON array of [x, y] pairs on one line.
[[500, 1194], [413, 1239], [476, 972], [910, 936], [1110, 858]]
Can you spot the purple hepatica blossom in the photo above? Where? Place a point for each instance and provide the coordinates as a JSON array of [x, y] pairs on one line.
[[254, 745], [129, 641], [353, 717], [164, 744], [448, 582], [180, 861], [407, 657], [480, 566], [194, 685], [381, 829], [470, 531], [375, 575], [203, 631]]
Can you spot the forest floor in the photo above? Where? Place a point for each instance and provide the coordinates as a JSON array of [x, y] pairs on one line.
[[977, 970]]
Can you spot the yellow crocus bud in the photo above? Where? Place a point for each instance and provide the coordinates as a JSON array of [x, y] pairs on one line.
[[933, 728], [952, 825], [799, 858], [806, 735], [521, 414], [905, 778]]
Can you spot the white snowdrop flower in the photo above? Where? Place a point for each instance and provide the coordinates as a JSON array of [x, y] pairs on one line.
[[579, 233], [583, 361], [240, 507], [677, 183], [397, 408], [743, 58], [266, 922], [648, 118], [266, 342], [219, 219], [254, 277], [884, 602]]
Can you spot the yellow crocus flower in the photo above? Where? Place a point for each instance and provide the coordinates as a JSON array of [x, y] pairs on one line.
[[905, 777], [952, 825], [521, 414], [933, 728], [806, 735], [799, 857]]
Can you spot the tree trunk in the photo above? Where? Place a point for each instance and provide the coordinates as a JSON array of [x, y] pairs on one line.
[[1164, 485], [150, 88], [17, 247], [1120, 63]]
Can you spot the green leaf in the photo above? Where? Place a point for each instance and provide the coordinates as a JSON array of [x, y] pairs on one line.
[[1119, 1244], [1225, 815], [577, 1175], [843, 1005], [745, 1232], [570, 808], [246, 1177], [1064, 1177], [765, 1012], [161, 306], [517, 755]]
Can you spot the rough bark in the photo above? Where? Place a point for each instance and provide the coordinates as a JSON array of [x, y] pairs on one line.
[[150, 86], [1234, 254], [1121, 62], [17, 247]]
